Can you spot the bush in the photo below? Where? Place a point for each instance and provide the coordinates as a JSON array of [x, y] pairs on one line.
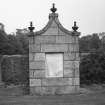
[[92, 68], [15, 70]]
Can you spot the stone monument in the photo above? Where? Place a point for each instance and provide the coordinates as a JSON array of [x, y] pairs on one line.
[[54, 58]]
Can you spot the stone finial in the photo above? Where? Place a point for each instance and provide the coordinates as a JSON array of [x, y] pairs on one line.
[[53, 9], [75, 27], [31, 28]]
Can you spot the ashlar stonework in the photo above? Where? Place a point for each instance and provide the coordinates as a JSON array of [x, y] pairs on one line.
[[54, 39]]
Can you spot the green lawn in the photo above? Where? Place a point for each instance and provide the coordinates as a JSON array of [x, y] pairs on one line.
[[90, 95]]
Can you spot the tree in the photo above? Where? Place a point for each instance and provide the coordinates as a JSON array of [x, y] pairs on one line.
[[95, 42], [84, 43], [22, 36], [16, 45], [5, 46], [90, 43]]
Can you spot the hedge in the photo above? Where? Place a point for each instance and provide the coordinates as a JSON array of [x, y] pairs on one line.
[[15, 69]]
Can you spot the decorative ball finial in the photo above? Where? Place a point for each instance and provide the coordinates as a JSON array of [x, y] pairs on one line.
[[53, 9], [31, 28], [75, 27]]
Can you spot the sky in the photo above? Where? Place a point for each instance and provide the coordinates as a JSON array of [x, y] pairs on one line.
[[89, 14]]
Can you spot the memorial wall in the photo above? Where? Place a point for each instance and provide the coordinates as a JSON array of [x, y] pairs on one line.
[[54, 58]]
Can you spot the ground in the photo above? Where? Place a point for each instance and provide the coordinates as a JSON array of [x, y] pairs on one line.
[[89, 95]]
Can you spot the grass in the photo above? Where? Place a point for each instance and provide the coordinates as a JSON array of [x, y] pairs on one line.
[[90, 95]]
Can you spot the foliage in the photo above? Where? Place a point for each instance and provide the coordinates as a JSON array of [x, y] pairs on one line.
[[4, 45], [13, 44], [16, 45], [92, 68], [23, 39], [15, 69], [90, 43]]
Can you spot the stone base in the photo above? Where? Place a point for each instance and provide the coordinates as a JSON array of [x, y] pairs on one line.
[[54, 90]]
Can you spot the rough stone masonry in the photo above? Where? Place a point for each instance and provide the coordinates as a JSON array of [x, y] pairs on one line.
[[54, 40]]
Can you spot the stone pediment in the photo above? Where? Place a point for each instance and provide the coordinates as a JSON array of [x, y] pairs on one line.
[[54, 27]]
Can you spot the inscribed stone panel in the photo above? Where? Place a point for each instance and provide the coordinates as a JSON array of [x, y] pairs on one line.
[[54, 65]]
